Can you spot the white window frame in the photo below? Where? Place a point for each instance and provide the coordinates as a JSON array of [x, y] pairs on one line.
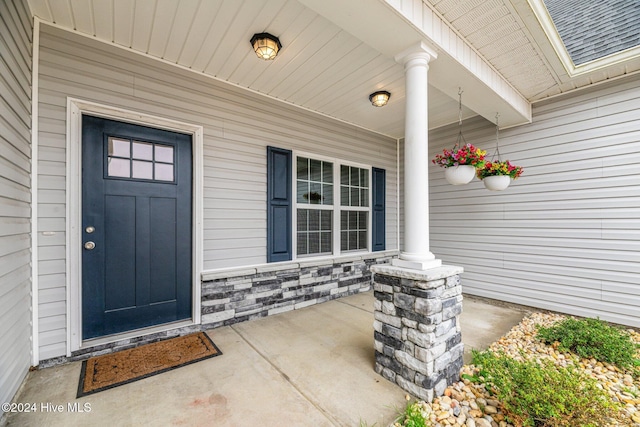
[[335, 207]]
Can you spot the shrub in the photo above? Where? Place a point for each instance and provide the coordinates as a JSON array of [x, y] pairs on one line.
[[592, 338], [415, 414], [543, 394]]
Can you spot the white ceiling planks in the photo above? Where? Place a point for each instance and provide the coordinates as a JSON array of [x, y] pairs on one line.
[[182, 25], [144, 12], [102, 15], [321, 67], [82, 8]]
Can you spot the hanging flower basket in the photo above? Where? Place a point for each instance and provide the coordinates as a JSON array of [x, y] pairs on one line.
[[460, 163], [497, 176], [459, 175], [496, 182]]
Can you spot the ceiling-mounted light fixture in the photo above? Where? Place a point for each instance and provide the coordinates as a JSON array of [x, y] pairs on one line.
[[266, 45], [380, 98]]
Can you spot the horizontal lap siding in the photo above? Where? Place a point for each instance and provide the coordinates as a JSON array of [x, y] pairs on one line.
[[15, 195], [566, 235], [238, 126]]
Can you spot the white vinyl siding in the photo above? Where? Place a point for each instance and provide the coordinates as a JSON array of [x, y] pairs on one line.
[[238, 126], [566, 235], [15, 195]]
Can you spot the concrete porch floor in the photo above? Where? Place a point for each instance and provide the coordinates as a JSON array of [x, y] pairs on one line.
[[309, 367]]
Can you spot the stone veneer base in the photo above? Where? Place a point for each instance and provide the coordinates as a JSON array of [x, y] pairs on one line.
[[283, 287], [418, 344]]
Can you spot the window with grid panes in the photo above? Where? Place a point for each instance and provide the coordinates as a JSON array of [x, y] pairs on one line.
[[354, 208], [314, 198]]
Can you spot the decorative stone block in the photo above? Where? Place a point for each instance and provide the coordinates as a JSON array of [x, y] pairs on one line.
[[271, 289], [418, 345]]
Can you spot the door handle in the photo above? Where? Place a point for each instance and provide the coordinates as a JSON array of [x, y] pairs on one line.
[[89, 246]]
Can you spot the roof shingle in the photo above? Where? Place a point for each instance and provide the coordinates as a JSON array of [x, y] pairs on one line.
[[592, 29]]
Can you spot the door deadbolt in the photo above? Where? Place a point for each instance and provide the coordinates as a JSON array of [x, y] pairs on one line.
[[89, 245], [90, 229]]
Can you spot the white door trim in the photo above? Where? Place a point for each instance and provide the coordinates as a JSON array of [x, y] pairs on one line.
[[75, 109]]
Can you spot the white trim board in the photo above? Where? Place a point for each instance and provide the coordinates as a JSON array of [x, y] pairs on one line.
[[75, 109], [35, 70]]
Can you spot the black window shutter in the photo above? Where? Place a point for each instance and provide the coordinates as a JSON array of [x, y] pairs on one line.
[[378, 212], [278, 205]]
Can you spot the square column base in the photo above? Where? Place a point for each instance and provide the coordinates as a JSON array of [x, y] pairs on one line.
[[417, 338]]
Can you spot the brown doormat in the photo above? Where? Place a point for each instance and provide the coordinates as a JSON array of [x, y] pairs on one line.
[[111, 370]]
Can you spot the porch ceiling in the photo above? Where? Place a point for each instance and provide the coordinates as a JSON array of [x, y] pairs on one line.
[[330, 61], [321, 67]]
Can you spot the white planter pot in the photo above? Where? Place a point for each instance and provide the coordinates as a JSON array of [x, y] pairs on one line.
[[458, 175], [497, 182]]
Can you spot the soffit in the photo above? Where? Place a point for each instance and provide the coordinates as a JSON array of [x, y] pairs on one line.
[[508, 35]]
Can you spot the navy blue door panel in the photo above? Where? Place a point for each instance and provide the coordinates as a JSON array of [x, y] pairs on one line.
[[163, 266], [119, 252], [140, 272], [378, 233], [279, 205]]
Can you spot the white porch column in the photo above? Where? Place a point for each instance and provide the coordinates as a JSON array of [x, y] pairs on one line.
[[416, 254]]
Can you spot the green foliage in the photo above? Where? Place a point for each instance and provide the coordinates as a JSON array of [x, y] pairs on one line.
[[592, 338], [543, 394], [413, 416]]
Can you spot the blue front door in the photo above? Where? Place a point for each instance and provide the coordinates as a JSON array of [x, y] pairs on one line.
[[136, 227]]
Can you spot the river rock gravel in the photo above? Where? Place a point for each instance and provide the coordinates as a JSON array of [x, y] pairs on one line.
[[467, 404]]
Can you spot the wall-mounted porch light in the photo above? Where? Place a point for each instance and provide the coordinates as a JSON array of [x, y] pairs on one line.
[[380, 98], [265, 45]]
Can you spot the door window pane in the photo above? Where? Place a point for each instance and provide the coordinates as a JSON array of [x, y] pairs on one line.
[[164, 172], [119, 147], [119, 167], [163, 153], [142, 151], [142, 170]]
